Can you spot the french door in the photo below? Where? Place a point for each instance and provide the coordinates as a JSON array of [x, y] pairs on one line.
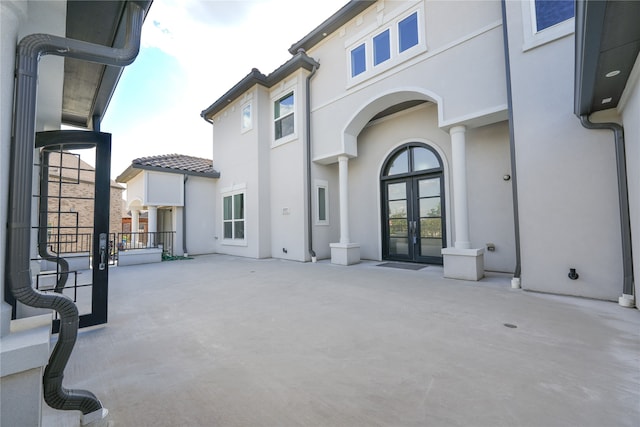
[[413, 216]]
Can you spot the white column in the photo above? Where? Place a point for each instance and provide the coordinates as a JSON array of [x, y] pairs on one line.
[[135, 226], [459, 166], [152, 225], [343, 176]]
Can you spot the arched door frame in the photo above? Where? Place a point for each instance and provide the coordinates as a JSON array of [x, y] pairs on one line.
[[412, 180]]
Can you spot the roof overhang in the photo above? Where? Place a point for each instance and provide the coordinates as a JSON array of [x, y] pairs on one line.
[[607, 46], [331, 24], [298, 61], [133, 170], [88, 87]]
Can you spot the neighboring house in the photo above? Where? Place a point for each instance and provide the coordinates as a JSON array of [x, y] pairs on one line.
[[435, 132], [177, 193], [70, 91], [75, 223]]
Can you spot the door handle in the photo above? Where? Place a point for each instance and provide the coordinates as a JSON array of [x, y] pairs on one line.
[[103, 251], [413, 232]]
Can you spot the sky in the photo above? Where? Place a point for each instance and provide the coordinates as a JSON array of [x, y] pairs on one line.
[[192, 52]]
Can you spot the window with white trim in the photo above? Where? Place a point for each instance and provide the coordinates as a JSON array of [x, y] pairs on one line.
[[408, 32], [283, 116], [233, 220], [322, 202], [381, 47], [246, 119], [358, 60], [552, 12], [546, 20], [397, 39]]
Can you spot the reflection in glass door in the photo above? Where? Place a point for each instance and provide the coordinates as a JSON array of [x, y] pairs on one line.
[[413, 217]]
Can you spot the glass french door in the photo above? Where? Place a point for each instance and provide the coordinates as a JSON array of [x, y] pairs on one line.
[[412, 207]]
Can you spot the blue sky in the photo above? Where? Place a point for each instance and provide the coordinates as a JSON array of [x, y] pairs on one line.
[[192, 52]]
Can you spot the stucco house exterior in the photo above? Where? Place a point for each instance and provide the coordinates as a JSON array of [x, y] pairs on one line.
[[441, 132], [176, 191]]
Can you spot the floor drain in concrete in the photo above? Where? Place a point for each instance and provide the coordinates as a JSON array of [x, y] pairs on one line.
[[510, 325]]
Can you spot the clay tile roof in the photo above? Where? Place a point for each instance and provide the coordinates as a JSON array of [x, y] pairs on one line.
[[177, 161], [172, 163]]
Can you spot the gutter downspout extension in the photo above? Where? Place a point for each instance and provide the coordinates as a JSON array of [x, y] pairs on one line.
[[515, 282], [627, 298], [18, 276], [309, 186]]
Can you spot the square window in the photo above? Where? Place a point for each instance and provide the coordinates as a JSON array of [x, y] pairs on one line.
[[552, 12], [381, 47], [358, 60], [283, 112], [408, 32]]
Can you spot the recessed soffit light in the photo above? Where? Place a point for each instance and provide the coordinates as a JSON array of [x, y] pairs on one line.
[[607, 100], [612, 73]]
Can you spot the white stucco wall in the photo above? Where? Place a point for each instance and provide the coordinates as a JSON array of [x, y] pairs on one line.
[[567, 189], [630, 115], [288, 181], [242, 169], [135, 191], [163, 189], [201, 210], [439, 73]]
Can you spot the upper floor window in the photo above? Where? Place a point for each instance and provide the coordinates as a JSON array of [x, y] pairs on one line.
[[545, 21], [283, 116], [246, 120], [551, 12], [381, 47], [408, 32], [385, 44], [358, 60]]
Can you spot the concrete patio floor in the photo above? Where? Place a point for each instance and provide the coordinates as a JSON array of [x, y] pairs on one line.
[[224, 341]]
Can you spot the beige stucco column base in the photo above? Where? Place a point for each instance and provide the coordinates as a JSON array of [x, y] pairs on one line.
[[345, 253], [463, 264]]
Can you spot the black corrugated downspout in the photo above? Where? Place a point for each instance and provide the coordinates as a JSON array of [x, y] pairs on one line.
[[309, 184], [512, 145], [184, 217], [18, 275], [623, 202]]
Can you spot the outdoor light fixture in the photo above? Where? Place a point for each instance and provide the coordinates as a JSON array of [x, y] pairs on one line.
[[606, 100], [612, 73]]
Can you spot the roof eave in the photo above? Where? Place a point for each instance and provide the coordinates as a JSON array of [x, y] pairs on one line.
[[300, 60], [589, 25], [331, 24]]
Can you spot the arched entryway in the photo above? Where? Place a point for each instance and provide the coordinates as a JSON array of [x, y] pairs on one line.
[[413, 217]]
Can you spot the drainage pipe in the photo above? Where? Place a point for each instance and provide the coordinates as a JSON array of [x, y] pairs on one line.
[[309, 184], [18, 276], [627, 298], [515, 282]]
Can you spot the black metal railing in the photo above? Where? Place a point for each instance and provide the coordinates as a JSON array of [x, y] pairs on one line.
[[144, 240], [79, 243]]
